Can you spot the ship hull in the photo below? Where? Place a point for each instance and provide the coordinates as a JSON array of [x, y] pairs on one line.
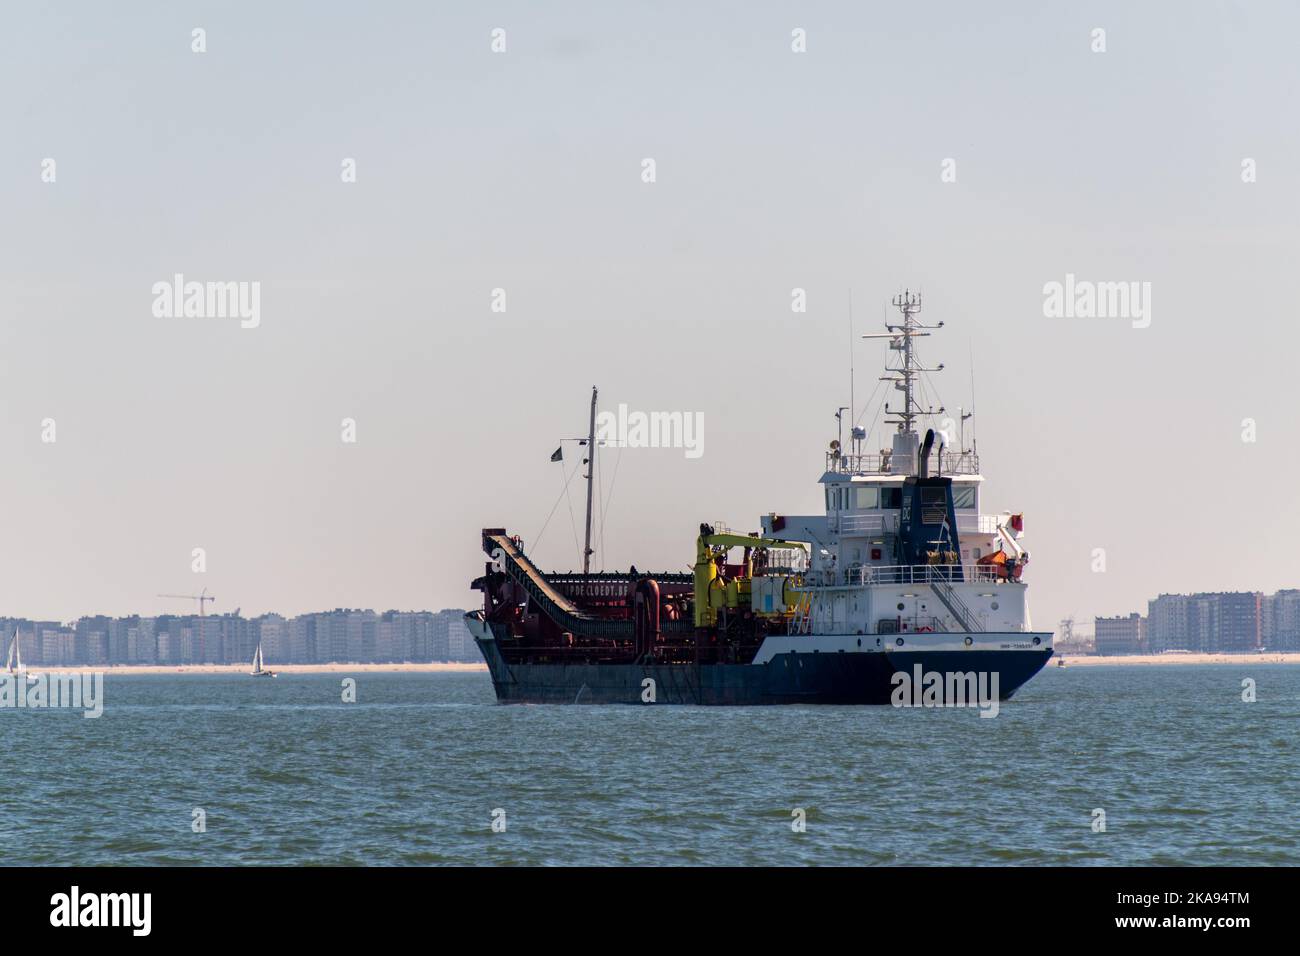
[[782, 678]]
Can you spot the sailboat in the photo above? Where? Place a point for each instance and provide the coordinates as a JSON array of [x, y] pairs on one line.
[[14, 663], [258, 670]]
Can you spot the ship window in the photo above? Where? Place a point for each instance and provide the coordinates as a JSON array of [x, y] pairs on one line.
[[866, 499], [829, 506], [963, 496], [891, 497]]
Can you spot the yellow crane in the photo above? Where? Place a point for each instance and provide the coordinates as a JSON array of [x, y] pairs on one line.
[[713, 592]]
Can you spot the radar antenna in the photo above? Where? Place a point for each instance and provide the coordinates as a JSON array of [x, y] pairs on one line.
[[904, 377]]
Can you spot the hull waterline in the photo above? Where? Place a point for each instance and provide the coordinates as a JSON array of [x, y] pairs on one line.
[[789, 678]]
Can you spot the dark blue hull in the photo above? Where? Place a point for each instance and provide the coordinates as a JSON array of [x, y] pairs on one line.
[[847, 678]]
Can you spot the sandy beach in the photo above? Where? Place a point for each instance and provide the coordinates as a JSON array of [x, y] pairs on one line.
[[434, 668], [1125, 660]]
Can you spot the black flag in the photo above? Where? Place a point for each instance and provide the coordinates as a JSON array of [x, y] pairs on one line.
[[558, 454]]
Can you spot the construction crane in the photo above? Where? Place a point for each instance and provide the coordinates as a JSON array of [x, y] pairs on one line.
[[202, 598], [1067, 630]]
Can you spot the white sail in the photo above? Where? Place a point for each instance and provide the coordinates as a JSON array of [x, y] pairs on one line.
[[14, 662], [257, 659]]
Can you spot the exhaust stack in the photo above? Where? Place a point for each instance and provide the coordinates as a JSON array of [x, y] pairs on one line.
[[923, 465]]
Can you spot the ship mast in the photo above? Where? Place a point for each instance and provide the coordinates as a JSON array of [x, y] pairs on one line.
[[904, 378], [904, 452], [591, 469]]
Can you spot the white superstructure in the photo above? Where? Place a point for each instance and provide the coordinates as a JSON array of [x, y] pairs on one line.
[[859, 581]]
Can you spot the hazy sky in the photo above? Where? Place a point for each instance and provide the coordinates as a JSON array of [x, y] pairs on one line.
[[522, 170]]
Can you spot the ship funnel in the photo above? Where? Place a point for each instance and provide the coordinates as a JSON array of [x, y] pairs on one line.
[[923, 466]]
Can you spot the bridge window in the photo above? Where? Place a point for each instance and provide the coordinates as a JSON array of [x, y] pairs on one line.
[[963, 496], [866, 499], [891, 497]]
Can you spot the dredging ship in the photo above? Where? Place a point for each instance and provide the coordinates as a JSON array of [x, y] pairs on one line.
[[901, 578]]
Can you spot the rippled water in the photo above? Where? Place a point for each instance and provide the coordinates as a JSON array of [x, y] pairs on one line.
[[410, 774]]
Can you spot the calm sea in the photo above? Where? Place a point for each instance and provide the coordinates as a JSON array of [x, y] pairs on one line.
[[286, 773]]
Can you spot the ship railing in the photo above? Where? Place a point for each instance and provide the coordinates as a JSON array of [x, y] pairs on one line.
[[902, 574], [802, 622], [879, 522], [955, 605], [877, 464], [886, 522]]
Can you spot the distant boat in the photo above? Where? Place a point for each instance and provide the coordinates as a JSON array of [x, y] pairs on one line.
[[258, 670], [14, 663]]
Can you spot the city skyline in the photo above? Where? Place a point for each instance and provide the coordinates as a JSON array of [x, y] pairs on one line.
[[340, 635], [1207, 621]]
